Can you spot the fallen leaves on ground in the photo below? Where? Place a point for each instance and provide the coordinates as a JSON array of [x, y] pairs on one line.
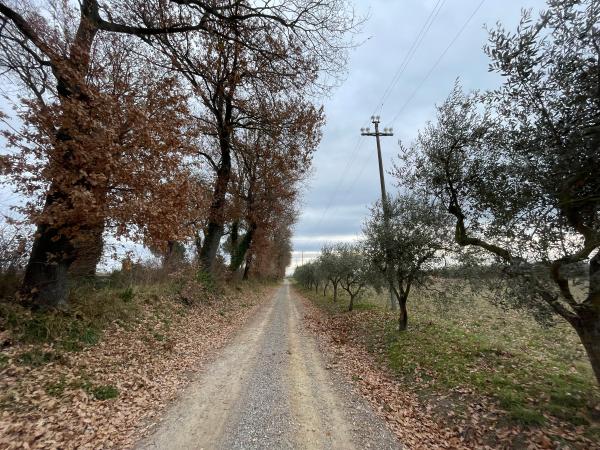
[[144, 364], [424, 423]]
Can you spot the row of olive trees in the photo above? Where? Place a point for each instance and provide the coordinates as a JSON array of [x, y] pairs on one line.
[[400, 251], [341, 265], [511, 177]]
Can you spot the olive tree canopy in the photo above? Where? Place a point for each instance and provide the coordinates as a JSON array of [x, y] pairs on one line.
[[518, 168]]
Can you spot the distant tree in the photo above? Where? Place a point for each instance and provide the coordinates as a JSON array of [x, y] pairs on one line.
[[332, 266], [415, 238], [307, 275], [519, 172], [270, 166], [357, 272]]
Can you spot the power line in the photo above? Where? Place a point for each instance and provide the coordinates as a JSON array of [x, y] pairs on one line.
[[439, 59], [349, 162], [454, 39], [411, 52], [408, 57]]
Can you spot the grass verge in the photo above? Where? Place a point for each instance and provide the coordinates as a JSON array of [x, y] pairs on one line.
[[536, 376]]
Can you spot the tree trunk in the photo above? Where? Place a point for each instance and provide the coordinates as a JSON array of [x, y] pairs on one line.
[[215, 229], [45, 283], [587, 323], [403, 316], [210, 247], [335, 287], [316, 288], [216, 217], [88, 251], [240, 248], [248, 264], [325, 289], [351, 305], [588, 328], [590, 338], [198, 244]]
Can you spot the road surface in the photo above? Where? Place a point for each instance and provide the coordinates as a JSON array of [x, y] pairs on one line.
[[270, 389]]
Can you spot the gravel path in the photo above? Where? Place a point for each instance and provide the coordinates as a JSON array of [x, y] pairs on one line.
[[270, 389]]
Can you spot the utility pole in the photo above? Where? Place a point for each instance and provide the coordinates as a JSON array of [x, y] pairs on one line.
[[384, 200]]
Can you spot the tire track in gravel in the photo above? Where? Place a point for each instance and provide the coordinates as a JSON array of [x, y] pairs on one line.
[[270, 389]]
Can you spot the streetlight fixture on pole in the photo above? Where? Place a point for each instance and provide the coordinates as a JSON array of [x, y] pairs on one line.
[[384, 200]]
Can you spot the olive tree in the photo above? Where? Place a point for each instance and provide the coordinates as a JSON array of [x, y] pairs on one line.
[[309, 275], [518, 168], [409, 245], [357, 273], [332, 265]]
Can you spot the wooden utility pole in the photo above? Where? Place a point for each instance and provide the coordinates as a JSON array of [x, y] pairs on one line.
[[384, 200]]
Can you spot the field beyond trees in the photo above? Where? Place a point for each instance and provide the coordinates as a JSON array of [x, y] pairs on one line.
[[478, 367]]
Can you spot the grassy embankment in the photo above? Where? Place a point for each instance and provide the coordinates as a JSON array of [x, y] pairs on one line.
[[148, 302], [536, 375]]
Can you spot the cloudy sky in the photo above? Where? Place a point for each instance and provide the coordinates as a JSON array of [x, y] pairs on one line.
[[345, 180]]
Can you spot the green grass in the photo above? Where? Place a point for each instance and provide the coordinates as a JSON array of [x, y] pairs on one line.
[[530, 371], [105, 392], [56, 389], [37, 357], [93, 306], [97, 391], [127, 295], [207, 280]]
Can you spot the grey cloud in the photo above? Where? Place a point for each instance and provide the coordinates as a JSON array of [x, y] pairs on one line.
[[390, 31]]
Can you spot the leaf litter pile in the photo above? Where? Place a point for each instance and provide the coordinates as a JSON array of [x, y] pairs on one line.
[[106, 395], [457, 418]]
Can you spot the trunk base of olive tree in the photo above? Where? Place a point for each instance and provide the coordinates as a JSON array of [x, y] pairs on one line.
[[46, 280], [402, 316], [392, 302], [589, 334]]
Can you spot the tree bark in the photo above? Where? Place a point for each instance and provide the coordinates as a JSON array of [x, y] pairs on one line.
[[248, 265], [88, 251], [403, 315], [215, 229], [335, 288], [198, 244], [45, 284], [216, 218], [240, 248], [351, 305], [589, 333]]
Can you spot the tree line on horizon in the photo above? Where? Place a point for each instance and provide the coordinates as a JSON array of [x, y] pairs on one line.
[[163, 123], [502, 188]]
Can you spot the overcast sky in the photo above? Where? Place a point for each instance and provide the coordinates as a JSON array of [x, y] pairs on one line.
[[345, 180]]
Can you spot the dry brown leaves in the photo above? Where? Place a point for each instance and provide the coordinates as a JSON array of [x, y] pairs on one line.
[[147, 372], [417, 422]]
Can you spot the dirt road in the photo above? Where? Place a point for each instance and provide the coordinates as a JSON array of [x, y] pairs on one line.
[[270, 389]]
